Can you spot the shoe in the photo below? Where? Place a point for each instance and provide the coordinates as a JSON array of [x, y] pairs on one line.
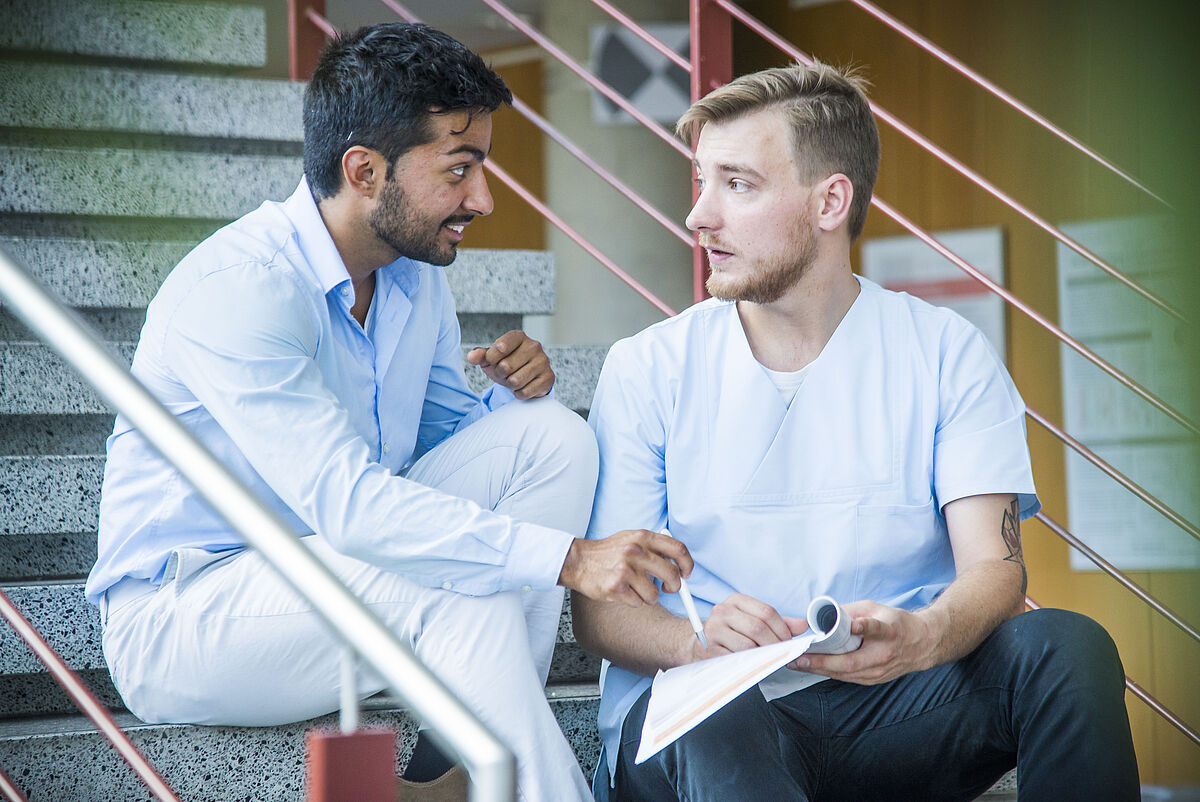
[[450, 787]]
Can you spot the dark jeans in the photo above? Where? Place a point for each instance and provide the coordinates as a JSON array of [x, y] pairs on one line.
[[1044, 693]]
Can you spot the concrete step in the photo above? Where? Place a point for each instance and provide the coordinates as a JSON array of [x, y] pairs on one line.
[[64, 97], [142, 183], [72, 628], [208, 33], [34, 381], [63, 758], [114, 274]]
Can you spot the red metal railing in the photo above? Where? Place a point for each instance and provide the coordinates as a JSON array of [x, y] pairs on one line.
[[977, 79], [913, 135], [85, 700], [9, 791]]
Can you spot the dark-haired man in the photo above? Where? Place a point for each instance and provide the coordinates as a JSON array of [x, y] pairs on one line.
[[312, 345], [806, 432]]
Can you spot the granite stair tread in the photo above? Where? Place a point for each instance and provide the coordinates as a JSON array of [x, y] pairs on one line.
[[64, 758], [35, 381], [220, 34]]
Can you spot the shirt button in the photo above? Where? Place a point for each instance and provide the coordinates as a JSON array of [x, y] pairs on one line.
[[447, 585], [386, 448], [526, 588], [345, 290]]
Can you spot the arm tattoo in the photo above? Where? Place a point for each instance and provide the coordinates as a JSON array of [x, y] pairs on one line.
[[1010, 530]]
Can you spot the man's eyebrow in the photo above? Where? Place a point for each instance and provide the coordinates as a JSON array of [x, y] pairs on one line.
[[475, 153], [726, 168]]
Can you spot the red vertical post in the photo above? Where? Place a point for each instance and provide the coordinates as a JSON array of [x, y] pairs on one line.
[[305, 39], [712, 66], [355, 767]]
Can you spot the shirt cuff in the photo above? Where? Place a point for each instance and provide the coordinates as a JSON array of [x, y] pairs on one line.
[[536, 557]]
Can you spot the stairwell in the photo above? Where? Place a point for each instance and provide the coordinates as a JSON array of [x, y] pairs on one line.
[[126, 137]]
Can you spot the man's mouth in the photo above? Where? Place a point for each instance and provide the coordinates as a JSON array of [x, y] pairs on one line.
[[456, 227], [716, 255]]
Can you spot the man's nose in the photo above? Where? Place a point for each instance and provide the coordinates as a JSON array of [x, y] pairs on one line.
[[479, 198], [702, 216]]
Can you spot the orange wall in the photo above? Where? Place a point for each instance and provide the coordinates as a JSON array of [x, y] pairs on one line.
[[1103, 71], [517, 147]]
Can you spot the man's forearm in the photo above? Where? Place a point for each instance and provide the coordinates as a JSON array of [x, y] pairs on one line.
[[977, 602], [641, 639]]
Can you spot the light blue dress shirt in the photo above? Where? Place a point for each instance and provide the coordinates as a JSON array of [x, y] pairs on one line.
[[250, 344], [837, 491]]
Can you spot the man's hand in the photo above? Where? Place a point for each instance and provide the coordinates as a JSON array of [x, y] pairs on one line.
[[743, 622], [517, 362], [620, 567], [895, 642]]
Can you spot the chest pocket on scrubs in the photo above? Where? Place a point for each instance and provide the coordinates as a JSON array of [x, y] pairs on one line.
[[904, 557]]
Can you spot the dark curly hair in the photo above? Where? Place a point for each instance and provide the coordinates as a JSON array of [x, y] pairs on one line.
[[378, 86]]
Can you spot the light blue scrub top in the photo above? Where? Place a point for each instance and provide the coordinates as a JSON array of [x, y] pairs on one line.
[[838, 492]]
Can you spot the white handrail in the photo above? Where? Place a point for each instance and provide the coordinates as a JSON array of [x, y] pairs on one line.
[[490, 765]]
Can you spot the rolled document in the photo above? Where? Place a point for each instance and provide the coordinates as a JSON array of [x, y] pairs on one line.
[[831, 624]]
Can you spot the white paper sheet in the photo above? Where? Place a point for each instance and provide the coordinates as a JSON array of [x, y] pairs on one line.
[[684, 696]]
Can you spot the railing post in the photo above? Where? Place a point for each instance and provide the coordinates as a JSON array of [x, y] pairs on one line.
[[305, 39], [712, 66]]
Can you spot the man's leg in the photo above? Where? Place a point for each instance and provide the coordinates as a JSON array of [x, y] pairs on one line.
[[535, 461], [739, 754], [1044, 692], [235, 645]]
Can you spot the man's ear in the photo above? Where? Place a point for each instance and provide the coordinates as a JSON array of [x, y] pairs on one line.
[[363, 170], [833, 198]]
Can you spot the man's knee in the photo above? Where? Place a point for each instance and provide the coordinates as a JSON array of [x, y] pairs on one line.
[[1066, 647]]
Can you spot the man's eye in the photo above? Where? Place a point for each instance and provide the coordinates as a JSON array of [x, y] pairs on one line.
[[700, 184], [459, 171], [738, 185]]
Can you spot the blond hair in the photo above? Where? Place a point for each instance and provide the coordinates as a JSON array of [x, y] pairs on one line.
[[827, 111]]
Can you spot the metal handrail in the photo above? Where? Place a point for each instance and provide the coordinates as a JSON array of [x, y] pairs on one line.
[[1133, 487], [1110, 569], [490, 764], [917, 138], [85, 700], [973, 76], [9, 791]]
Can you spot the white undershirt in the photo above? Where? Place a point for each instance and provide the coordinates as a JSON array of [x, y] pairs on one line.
[[788, 381]]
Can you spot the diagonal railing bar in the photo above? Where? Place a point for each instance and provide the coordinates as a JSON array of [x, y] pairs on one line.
[[1119, 477], [643, 34], [85, 700], [1029, 312], [592, 80], [943, 56], [912, 134], [1141, 693], [579, 240], [546, 212], [542, 41], [9, 791], [541, 122], [322, 23], [1110, 569]]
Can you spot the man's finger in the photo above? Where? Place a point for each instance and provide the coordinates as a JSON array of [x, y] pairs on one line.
[[476, 355], [673, 550]]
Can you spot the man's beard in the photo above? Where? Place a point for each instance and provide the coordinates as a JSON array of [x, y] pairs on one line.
[[396, 223], [770, 280]]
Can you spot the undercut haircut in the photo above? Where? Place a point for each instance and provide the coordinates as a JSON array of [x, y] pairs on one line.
[[379, 86], [828, 115]]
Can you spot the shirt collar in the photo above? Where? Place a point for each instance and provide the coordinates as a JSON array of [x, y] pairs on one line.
[[319, 251], [313, 238]]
